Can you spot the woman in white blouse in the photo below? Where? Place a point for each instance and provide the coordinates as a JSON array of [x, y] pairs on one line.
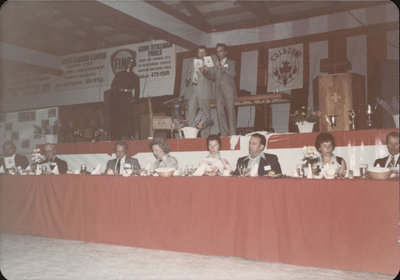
[[214, 162]]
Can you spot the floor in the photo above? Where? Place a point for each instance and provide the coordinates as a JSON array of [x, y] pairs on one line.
[[34, 257]]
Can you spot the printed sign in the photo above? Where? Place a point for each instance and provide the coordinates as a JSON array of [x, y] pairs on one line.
[[155, 66], [285, 68]]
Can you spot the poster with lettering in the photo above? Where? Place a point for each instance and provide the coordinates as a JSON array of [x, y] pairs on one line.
[[92, 72], [285, 68], [155, 65]]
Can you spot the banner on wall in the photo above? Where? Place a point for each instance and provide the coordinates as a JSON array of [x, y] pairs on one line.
[[155, 66], [285, 68]]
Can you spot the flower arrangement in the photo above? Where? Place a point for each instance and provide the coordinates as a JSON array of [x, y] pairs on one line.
[[311, 155], [46, 129], [301, 116], [180, 122], [201, 121], [37, 156], [392, 108]]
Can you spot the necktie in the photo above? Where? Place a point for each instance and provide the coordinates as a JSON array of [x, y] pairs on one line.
[[118, 165], [391, 163], [196, 76]]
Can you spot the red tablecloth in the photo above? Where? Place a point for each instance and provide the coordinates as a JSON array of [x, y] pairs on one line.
[[340, 224]]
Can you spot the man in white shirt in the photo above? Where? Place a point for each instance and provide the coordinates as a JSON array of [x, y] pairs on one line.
[[10, 159], [117, 164], [392, 144]]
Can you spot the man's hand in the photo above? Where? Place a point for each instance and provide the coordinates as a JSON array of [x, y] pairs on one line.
[[204, 69]]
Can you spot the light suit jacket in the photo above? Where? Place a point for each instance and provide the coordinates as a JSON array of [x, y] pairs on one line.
[[203, 89], [224, 79]]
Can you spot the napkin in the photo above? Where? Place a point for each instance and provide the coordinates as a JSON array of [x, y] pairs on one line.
[[176, 172], [200, 171], [96, 170], [55, 170], [254, 170]]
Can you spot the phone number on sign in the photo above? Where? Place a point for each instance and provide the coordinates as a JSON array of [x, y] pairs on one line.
[[160, 74]]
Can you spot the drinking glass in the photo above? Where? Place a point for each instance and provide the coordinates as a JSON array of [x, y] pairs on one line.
[[83, 168], [300, 170], [363, 170], [190, 169], [241, 169], [44, 168]]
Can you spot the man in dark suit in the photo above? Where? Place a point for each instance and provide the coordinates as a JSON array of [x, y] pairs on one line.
[[117, 164], [125, 92], [266, 162], [392, 144], [52, 159], [10, 159]]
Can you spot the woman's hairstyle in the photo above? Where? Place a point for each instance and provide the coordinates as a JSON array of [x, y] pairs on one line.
[[162, 143], [212, 138], [324, 137]]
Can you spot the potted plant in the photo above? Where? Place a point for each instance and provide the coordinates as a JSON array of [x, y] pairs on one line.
[[305, 120], [311, 157], [199, 123]]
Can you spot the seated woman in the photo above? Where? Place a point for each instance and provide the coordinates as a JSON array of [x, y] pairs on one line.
[[325, 144], [214, 161], [161, 149]]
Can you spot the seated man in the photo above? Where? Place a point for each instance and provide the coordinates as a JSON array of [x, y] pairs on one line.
[[10, 159], [117, 164], [266, 162], [392, 144], [52, 159]]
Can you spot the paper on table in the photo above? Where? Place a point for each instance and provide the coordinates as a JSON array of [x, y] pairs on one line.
[[254, 170], [2, 171], [208, 61], [198, 63]]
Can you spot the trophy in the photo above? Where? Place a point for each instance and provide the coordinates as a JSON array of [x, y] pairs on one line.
[[332, 120], [369, 111], [352, 115]]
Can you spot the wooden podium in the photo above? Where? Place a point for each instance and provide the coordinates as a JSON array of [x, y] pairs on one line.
[[335, 94]]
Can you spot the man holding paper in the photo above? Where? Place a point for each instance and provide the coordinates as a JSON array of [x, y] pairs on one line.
[[224, 73], [10, 159], [199, 83]]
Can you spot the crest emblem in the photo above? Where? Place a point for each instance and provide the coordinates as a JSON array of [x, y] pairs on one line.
[[285, 65], [120, 59]]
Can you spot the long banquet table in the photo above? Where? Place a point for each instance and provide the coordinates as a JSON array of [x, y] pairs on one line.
[[340, 224]]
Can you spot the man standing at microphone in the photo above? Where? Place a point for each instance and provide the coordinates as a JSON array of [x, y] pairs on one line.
[[125, 92], [224, 73]]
